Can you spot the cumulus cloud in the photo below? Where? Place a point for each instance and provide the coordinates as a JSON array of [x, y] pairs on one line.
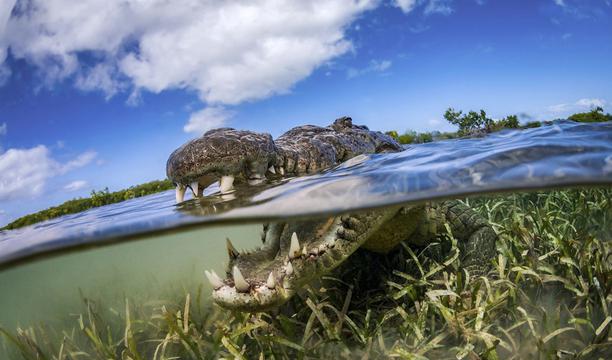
[[24, 172], [584, 104], [227, 51], [75, 185], [206, 119]]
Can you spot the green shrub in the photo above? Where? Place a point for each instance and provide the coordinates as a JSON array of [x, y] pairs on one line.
[[595, 115], [97, 198]]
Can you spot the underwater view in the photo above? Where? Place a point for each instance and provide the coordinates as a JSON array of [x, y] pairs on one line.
[[135, 279], [321, 179]]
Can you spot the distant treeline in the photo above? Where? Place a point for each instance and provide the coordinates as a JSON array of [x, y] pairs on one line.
[[478, 123], [97, 198], [470, 124]]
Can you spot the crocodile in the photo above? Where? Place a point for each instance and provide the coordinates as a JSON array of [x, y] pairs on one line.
[[297, 252]]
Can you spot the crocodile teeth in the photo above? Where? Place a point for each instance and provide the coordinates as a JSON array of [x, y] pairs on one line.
[[214, 279], [241, 284], [289, 268], [294, 248], [231, 250], [194, 188], [271, 282], [180, 193], [226, 184], [272, 170], [281, 170]]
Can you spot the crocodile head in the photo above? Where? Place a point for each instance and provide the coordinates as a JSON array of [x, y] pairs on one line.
[[222, 154], [293, 254], [230, 155]]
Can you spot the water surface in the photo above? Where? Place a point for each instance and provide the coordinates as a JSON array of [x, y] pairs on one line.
[[564, 153]]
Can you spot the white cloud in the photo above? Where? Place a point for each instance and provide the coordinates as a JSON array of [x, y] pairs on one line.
[[560, 2], [75, 185], [100, 77], [439, 7], [591, 103], [3, 129], [206, 119], [431, 6], [5, 12], [379, 66], [406, 5], [80, 161], [584, 104], [24, 172], [227, 51], [559, 108]]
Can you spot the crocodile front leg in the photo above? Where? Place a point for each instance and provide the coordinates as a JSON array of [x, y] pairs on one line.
[[424, 224], [475, 236]]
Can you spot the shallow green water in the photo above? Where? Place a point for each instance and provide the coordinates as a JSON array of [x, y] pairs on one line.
[[164, 265]]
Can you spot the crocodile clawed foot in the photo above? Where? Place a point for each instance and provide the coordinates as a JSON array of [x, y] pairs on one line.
[[350, 229]]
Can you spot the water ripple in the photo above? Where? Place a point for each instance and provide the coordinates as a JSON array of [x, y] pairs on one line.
[[562, 154]]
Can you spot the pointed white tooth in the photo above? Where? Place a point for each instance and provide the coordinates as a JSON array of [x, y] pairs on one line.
[[294, 248], [241, 284], [231, 250], [281, 170], [194, 188], [180, 193], [289, 268], [304, 250], [255, 181], [228, 197], [271, 282], [214, 279], [226, 184], [272, 169]]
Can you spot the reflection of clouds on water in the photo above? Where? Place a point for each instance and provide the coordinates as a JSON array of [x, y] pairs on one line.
[[562, 154]]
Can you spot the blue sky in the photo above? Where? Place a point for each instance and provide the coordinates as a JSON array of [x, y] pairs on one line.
[[98, 93]]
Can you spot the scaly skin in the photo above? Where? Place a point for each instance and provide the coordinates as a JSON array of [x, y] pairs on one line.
[[298, 252], [249, 156]]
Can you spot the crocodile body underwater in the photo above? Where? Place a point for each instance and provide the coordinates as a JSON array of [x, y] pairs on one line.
[[298, 252]]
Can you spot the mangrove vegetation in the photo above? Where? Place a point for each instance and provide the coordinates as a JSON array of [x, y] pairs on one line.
[[97, 198]]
